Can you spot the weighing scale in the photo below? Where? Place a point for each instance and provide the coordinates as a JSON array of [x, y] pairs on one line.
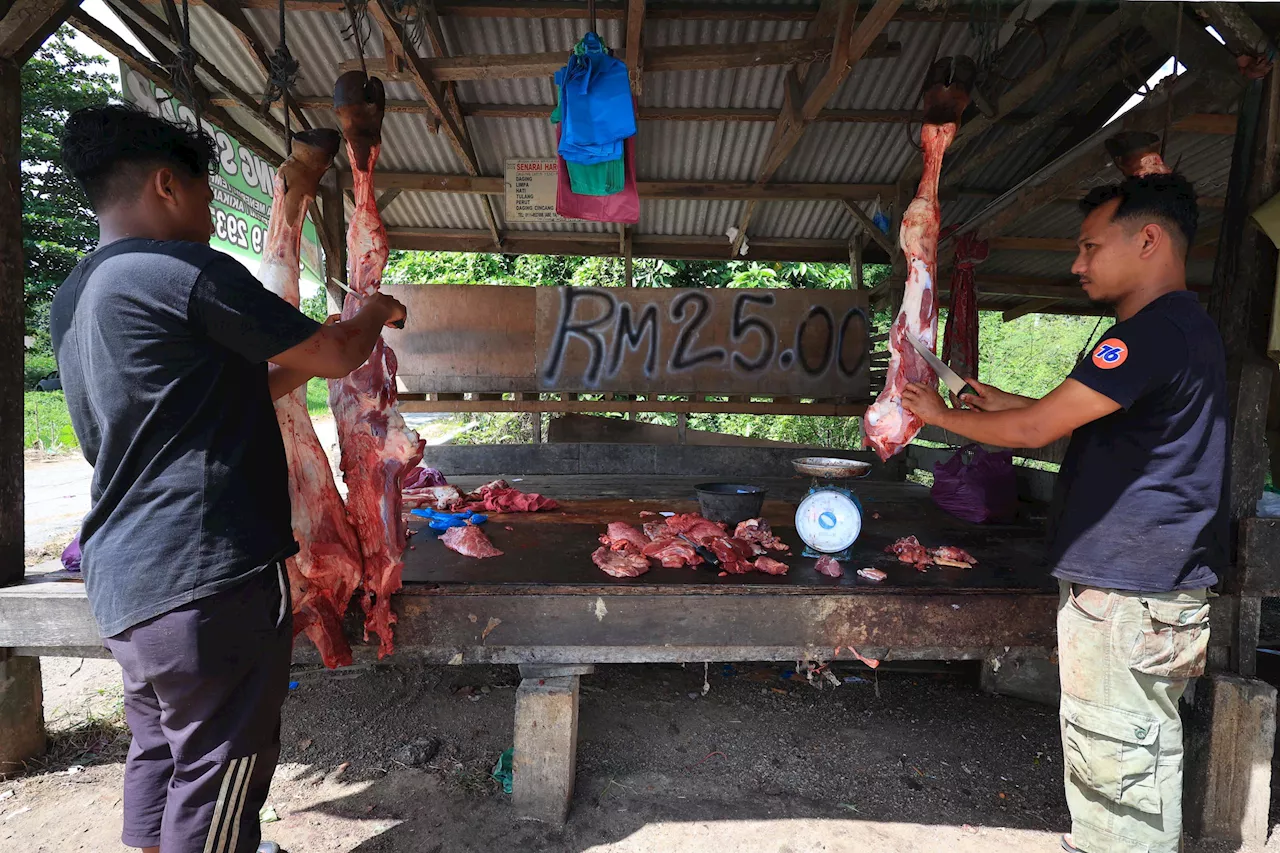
[[829, 518]]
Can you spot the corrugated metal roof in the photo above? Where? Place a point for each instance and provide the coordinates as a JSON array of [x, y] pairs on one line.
[[828, 152]]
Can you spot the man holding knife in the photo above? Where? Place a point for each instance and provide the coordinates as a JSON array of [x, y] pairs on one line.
[[1138, 528], [171, 354]]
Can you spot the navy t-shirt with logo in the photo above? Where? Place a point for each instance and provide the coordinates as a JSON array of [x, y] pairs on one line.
[[163, 348], [1141, 500]]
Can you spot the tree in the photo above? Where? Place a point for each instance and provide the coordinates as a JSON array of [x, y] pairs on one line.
[[57, 225]]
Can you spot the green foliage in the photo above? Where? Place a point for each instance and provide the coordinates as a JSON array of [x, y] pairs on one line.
[[57, 225], [316, 306], [35, 368], [46, 422], [1033, 354], [318, 396]]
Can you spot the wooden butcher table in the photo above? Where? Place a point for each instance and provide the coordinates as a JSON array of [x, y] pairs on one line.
[[545, 606]]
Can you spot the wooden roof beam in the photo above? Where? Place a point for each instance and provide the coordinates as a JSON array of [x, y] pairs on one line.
[[109, 41], [850, 45], [616, 10], [634, 34], [231, 12], [712, 57], [1031, 306], [27, 24], [155, 35], [428, 86]]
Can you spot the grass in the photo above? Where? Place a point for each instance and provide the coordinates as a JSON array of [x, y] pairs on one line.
[[46, 423], [98, 737], [318, 397]]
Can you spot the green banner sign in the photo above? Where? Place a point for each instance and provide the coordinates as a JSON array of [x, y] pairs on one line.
[[241, 188]]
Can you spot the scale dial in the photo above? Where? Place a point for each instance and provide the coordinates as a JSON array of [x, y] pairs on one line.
[[828, 520]]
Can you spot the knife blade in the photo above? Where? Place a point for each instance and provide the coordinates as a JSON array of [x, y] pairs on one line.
[[702, 551], [399, 324], [949, 377]]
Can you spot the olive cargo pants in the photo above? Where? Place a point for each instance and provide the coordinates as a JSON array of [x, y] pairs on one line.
[[1125, 659]]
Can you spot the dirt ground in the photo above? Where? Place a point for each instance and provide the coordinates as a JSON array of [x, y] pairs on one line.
[[891, 763]]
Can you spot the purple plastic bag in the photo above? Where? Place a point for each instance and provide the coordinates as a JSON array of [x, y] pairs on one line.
[[71, 555], [977, 485], [421, 478]]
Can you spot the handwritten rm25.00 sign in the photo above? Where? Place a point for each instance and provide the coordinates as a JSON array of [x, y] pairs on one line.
[[805, 343]]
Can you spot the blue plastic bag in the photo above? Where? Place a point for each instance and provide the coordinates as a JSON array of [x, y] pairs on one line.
[[977, 485], [597, 111]]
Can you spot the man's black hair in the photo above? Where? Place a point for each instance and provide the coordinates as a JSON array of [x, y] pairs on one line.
[[107, 147], [1169, 200]]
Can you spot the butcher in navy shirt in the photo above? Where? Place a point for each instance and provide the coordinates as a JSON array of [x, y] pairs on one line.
[[1139, 528]]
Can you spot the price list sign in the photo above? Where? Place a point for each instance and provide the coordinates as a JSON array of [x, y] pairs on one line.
[[531, 191]]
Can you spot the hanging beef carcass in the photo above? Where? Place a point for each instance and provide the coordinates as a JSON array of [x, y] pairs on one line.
[[887, 425], [378, 450], [327, 570]]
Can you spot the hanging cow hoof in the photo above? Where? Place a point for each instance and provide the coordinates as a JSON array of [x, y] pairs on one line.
[[1136, 154], [947, 88], [360, 102], [311, 156]]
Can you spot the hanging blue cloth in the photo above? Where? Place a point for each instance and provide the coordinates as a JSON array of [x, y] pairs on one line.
[[597, 111]]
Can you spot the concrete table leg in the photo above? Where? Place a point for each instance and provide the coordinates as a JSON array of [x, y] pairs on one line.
[[1229, 742], [21, 712], [546, 742]]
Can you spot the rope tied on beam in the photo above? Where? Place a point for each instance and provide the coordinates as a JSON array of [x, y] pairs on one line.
[[358, 15], [183, 69], [282, 74]]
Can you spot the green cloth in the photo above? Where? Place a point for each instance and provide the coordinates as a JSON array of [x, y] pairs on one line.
[[502, 771], [598, 178], [607, 178]]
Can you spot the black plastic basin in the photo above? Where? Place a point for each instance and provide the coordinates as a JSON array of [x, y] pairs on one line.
[[729, 503]]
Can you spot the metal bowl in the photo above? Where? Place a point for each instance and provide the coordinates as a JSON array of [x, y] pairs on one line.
[[831, 468]]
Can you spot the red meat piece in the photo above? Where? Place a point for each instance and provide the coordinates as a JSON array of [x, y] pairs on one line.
[[656, 530], [672, 553], [770, 566], [469, 541], [696, 527], [910, 551], [621, 535], [735, 555], [758, 533], [623, 563], [830, 567]]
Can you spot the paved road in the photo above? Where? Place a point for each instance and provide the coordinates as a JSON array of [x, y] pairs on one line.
[[57, 489], [57, 497]]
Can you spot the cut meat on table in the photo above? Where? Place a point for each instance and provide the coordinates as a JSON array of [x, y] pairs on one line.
[[328, 567], [735, 555], [656, 530], [378, 450], [469, 541], [910, 551], [621, 535], [672, 553], [950, 555], [624, 563], [758, 533], [872, 574], [696, 527], [890, 427], [829, 566], [770, 566]]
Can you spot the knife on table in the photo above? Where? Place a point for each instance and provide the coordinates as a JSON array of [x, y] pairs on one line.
[[702, 551], [948, 376], [399, 324]]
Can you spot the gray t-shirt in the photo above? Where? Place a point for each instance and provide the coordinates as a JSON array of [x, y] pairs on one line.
[[162, 348]]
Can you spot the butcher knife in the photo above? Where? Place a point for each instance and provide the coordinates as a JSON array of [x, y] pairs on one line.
[[399, 324], [948, 376], [702, 551]]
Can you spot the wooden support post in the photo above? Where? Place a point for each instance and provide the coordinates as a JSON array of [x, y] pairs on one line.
[[11, 324], [682, 428], [546, 745], [1229, 745], [856, 280], [21, 712], [333, 221]]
